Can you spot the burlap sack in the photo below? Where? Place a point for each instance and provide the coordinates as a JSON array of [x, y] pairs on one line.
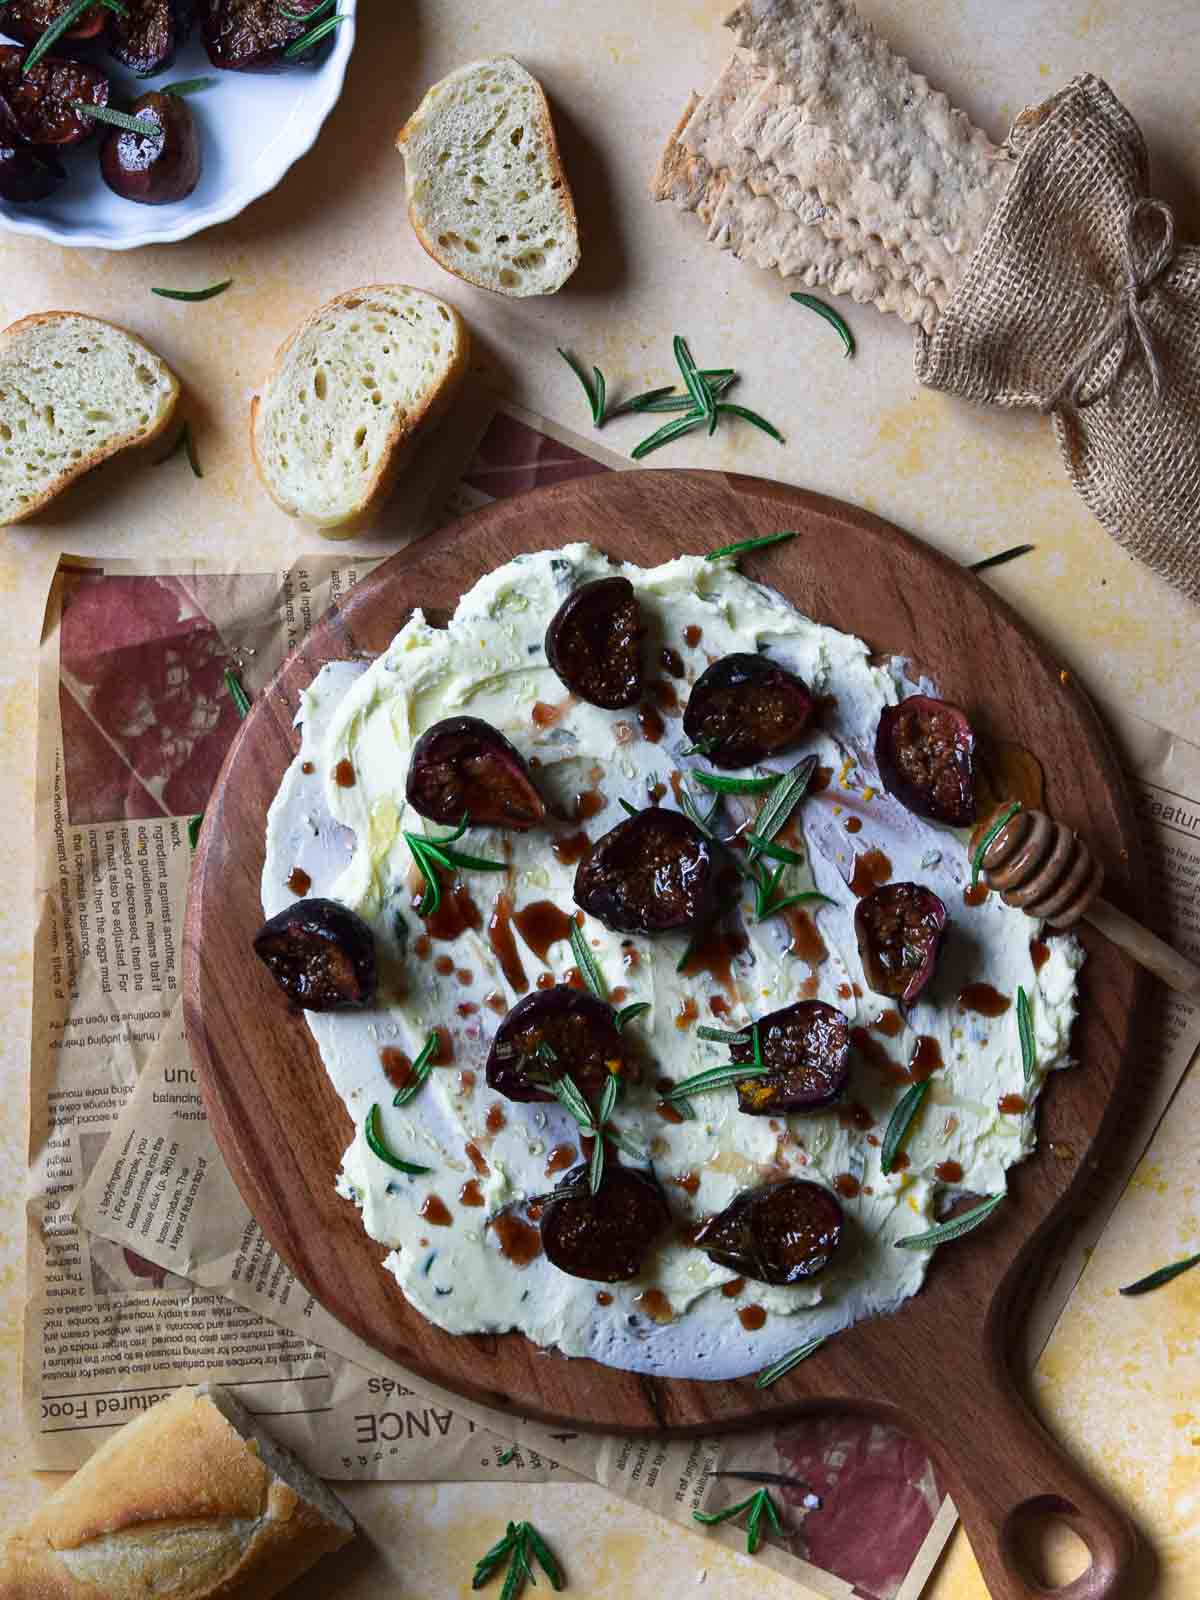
[[1078, 301]]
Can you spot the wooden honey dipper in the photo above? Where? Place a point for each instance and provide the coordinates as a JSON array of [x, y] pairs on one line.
[[1045, 869]]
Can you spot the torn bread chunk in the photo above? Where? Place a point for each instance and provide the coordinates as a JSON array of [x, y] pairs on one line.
[[886, 119]]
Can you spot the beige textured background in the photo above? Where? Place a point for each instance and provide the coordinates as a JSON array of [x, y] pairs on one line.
[[1121, 1382]]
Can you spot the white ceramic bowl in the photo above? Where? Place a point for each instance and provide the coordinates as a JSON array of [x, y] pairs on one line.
[[253, 126]]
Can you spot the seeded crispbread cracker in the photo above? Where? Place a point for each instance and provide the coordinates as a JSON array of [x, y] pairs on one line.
[[758, 231], [886, 119], [709, 133]]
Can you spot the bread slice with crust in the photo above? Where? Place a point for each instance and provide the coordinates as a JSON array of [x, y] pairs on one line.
[[74, 390], [487, 194], [349, 393]]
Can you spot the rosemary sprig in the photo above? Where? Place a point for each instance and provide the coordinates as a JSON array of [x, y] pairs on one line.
[[758, 1504], [627, 1013], [595, 1125], [1155, 1280], [509, 1454], [954, 1229], [766, 907], [211, 293], [831, 317], [899, 1123], [428, 854], [1001, 557], [182, 441], [666, 400], [376, 1143], [521, 1540], [63, 24], [306, 41], [776, 852], [194, 824], [742, 546], [701, 394], [189, 86], [420, 1072], [592, 391], [770, 1374], [147, 127], [1025, 1033], [667, 434], [726, 408], [236, 693], [720, 784], [714, 1078], [706, 824], [982, 848], [784, 799], [589, 969]]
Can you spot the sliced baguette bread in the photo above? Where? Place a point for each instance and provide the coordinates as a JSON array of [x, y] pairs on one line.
[[347, 396], [191, 1499], [74, 390], [487, 194]]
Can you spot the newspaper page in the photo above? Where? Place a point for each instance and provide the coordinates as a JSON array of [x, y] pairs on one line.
[[158, 1191]]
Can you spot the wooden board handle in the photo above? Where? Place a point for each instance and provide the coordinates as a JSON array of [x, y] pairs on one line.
[[1013, 1470]]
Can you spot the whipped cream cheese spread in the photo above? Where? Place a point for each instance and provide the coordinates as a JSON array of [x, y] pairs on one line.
[[340, 815]]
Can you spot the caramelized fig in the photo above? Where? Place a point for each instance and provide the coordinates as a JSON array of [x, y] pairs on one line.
[[925, 751], [806, 1048], [594, 643], [27, 174], [38, 104], [465, 765], [154, 168], [782, 1233], [27, 20], [900, 929], [744, 708], [252, 35], [603, 1236], [652, 873], [144, 35], [555, 1032], [321, 954]]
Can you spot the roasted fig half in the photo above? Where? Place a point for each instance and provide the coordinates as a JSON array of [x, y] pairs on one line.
[[252, 35], [806, 1048], [28, 20], [27, 174], [38, 105], [744, 708], [555, 1032], [603, 1236], [321, 954], [594, 643], [159, 167], [464, 765], [925, 752], [782, 1233], [145, 35], [649, 874], [900, 929]]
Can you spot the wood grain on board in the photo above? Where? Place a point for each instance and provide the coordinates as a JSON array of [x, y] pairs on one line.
[[938, 1366]]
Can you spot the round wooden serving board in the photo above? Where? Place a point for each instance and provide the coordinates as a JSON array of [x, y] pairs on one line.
[[938, 1366]]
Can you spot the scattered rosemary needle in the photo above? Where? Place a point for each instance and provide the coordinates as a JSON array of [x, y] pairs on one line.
[[831, 317], [521, 1540], [211, 293], [743, 546], [1155, 1280], [194, 829], [376, 1143], [508, 1455], [628, 1013], [186, 86], [770, 1374], [758, 1504], [589, 969], [984, 844], [954, 1229], [1025, 1033], [63, 24], [147, 127], [236, 693], [720, 784], [1001, 557], [306, 41], [899, 1123], [419, 1072]]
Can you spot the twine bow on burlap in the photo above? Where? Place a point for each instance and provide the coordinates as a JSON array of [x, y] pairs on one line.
[[1127, 319], [1080, 302]]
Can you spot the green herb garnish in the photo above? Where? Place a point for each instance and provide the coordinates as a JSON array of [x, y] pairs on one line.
[[376, 1143], [1001, 557], [784, 799], [667, 434], [147, 127], [589, 971], [595, 1125], [521, 1540], [701, 394], [954, 1229], [1155, 1280], [627, 1013], [984, 845], [508, 1455], [211, 293], [726, 408], [720, 784], [194, 829], [189, 86], [899, 1123], [723, 1036], [831, 317], [420, 1071], [1025, 1032], [595, 392], [628, 806], [776, 852], [744, 545], [314, 36], [182, 441], [766, 907], [714, 1078], [236, 693], [785, 1363], [430, 854], [64, 24], [758, 1504]]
